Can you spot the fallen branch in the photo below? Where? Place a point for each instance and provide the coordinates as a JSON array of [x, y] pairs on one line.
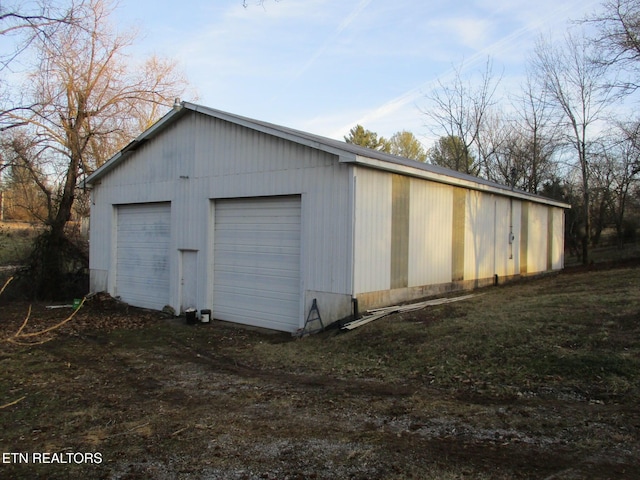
[[18, 337], [12, 403], [5, 284]]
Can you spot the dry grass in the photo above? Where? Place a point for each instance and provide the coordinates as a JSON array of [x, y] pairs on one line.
[[567, 331], [533, 380], [16, 241]]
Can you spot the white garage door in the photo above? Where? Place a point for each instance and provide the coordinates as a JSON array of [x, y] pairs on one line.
[[257, 262], [142, 267]]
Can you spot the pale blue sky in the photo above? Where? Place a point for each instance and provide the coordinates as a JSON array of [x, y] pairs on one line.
[[325, 65]]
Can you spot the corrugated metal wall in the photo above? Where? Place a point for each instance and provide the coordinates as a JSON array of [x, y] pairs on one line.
[[480, 236], [557, 243], [454, 234], [538, 239]]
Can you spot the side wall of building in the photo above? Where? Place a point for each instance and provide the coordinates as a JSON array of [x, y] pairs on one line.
[[415, 238]]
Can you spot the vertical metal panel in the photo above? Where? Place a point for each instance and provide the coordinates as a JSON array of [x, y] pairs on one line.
[[557, 244], [538, 239], [550, 232], [431, 216], [458, 234], [372, 231], [515, 213], [505, 264], [400, 201], [326, 218], [480, 236], [100, 238], [188, 279]]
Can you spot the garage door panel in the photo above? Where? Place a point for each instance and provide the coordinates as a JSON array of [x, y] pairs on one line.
[[257, 261], [258, 239], [254, 283], [142, 263], [269, 315]]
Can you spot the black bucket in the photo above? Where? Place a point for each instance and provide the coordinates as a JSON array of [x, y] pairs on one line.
[[190, 315]]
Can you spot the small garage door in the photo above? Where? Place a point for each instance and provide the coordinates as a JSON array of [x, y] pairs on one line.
[[142, 266], [257, 262]]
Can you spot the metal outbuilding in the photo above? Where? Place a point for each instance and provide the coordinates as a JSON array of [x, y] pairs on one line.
[[210, 210]]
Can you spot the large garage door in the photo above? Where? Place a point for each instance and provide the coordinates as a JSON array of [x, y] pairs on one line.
[[257, 262], [142, 267]]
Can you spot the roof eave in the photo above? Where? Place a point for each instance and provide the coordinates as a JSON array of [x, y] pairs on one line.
[[454, 181], [346, 153]]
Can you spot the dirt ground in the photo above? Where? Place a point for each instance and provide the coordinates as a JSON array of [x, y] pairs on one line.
[[159, 399]]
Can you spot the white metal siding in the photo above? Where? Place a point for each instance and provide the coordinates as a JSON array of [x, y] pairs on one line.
[[479, 242], [431, 214], [504, 253], [538, 238], [257, 262], [372, 249], [142, 258]]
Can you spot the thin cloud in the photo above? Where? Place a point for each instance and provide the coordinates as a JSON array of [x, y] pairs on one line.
[[330, 40], [503, 44]]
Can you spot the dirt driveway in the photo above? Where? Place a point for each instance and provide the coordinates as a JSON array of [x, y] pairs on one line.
[[154, 398]]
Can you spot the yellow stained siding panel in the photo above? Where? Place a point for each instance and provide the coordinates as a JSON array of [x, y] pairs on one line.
[[458, 228], [400, 202]]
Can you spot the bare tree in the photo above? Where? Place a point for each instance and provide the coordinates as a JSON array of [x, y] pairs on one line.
[[23, 21], [459, 110], [617, 42], [87, 100], [576, 88], [533, 140], [618, 172]]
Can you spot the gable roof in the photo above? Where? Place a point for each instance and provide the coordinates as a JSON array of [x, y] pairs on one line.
[[346, 152]]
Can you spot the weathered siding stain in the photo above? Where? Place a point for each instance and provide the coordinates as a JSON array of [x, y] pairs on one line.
[[458, 234], [400, 202]]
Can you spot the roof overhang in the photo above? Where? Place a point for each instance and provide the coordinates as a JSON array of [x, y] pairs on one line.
[[345, 152], [448, 179]]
